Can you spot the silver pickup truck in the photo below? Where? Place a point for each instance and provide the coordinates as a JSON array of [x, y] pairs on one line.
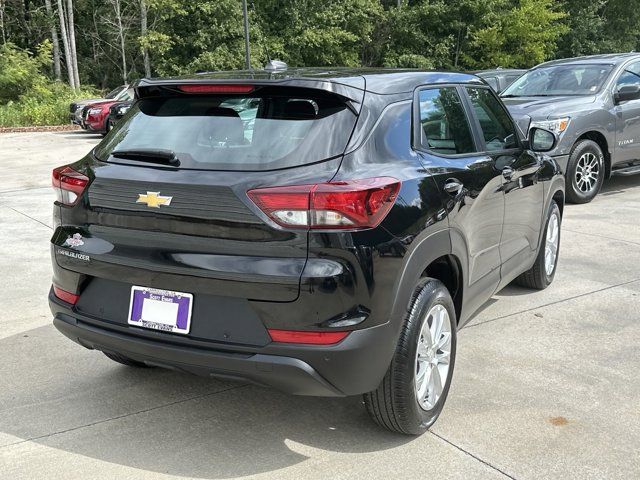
[[593, 105]]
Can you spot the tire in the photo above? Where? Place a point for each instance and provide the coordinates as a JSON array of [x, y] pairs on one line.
[[116, 357], [539, 277], [108, 125], [394, 404], [582, 187]]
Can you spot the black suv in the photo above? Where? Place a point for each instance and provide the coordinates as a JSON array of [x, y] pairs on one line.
[[321, 232]]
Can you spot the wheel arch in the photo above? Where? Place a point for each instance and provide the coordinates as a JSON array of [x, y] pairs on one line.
[[432, 257], [448, 270], [601, 140], [558, 197]]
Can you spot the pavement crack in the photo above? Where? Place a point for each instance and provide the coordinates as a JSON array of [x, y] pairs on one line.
[[601, 236], [125, 415], [554, 303], [467, 452], [29, 217]]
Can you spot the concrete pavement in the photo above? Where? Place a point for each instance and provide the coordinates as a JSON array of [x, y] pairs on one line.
[[546, 383]]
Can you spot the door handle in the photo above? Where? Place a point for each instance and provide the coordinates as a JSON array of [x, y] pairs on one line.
[[507, 173], [453, 186]]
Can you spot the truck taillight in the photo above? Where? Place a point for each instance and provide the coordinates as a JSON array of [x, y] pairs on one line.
[[68, 184], [346, 205]]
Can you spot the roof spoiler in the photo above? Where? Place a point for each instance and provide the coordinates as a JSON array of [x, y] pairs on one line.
[[145, 88]]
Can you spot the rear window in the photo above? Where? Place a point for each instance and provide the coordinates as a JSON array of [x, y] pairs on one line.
[[261, 131]]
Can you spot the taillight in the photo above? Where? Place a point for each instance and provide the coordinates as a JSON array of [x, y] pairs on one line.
[[65, 296], [68, 184], [348, 205], [309, 338], [216, 88]]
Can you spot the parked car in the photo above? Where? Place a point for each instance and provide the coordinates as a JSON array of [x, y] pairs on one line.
[[95, 115], [192, 239], [500, 78], [116, 112], [593, 105], [75, 109]]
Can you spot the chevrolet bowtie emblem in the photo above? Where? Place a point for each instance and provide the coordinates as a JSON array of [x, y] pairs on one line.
[[153, 199]]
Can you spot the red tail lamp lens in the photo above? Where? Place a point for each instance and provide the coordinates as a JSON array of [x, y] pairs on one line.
[[65, 296], [216, 88], [68, 184], [348, 205], [309, 338]]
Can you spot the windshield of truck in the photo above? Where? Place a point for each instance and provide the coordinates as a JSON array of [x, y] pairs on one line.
[[559, 80]]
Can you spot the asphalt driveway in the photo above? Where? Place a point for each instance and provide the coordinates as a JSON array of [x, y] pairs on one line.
[[546, 383]]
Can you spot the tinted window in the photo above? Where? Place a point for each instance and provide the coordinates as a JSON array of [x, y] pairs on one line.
[[509, 79], [445, 126], [125, 95], [630, 75], [259, 132], [114, 93], [493, 82], [497, 127], [560, 80]]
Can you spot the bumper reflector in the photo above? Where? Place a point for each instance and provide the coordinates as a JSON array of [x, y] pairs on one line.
[[310, 338], [65, 296]]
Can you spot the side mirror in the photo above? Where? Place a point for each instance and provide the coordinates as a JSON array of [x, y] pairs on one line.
[[541, 140], [626, 93]]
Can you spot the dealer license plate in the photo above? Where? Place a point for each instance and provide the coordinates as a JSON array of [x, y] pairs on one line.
[[160, 309]]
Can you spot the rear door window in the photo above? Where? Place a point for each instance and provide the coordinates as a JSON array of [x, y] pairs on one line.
[[444, 125], [267, 130]]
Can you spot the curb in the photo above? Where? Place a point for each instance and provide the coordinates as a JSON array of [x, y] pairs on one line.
[[50, 128]]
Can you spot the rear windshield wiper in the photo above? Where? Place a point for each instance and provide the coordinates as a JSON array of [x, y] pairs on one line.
[[149, 155]]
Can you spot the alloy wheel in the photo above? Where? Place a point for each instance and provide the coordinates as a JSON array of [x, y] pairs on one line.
[[433, 357], [587, 172], [551, 243]]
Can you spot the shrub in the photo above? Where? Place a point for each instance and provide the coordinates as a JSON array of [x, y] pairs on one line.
[[45, 104], [20, 70], [27, 96]]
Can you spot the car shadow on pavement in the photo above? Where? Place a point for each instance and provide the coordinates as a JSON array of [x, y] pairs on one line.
[[168, 422], [616, 185]]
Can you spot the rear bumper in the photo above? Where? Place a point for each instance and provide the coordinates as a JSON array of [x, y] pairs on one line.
[[287, 374], [354, 366]]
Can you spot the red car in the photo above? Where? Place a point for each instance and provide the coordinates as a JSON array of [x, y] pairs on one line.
[[95, 115]]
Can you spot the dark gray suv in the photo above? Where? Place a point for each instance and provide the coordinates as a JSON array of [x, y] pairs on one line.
[[593, 105]]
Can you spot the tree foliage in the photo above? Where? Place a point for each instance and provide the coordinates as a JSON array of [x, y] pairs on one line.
[[202, 35], [27, 96]]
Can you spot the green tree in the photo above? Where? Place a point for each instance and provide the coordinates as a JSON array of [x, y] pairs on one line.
[[319, 32], [586, 28], [521, 36], [20, 70]]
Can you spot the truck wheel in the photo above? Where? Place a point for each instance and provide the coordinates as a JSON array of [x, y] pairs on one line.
[[116, 357], [585, 172], [541, 274], [412, 393]]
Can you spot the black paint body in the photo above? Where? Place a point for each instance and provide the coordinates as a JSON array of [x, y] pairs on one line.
[[247, 274]]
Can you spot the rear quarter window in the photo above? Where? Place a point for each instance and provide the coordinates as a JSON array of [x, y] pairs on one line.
[[261, 131]]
